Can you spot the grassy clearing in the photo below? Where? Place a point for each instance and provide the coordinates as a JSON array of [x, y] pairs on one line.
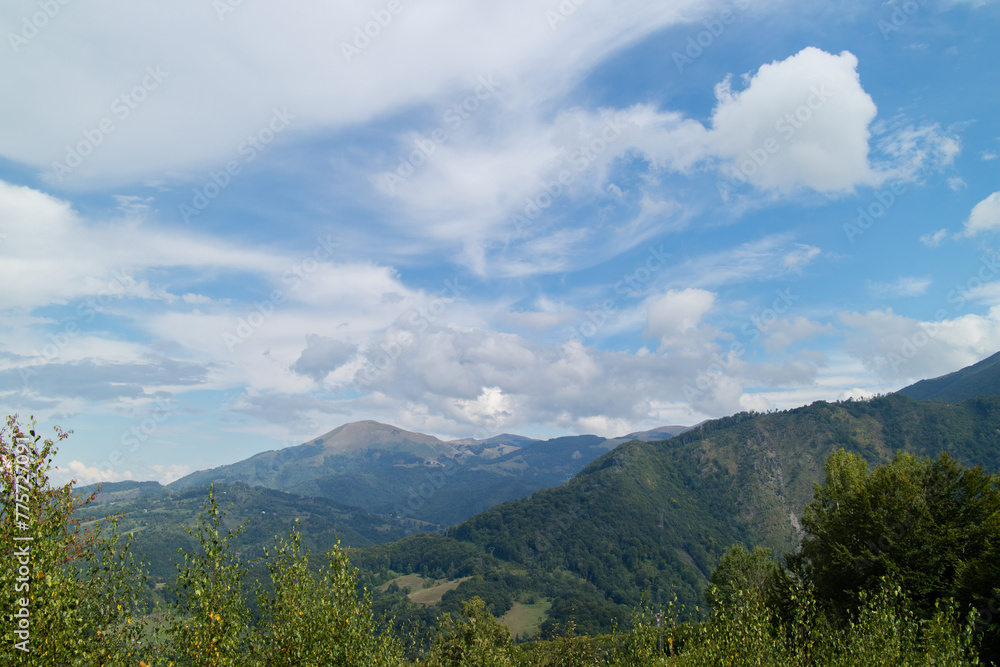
[[413, 582], [433, 595], [523, 620]]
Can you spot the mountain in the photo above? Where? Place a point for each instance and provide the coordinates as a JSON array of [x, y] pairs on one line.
[[659, 433], [390, 471], [653, 518], [981, 379], [158, 517]]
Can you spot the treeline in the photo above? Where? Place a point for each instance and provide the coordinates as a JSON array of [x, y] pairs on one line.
[[900, 566]]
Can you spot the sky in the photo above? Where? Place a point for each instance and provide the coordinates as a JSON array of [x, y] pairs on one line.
[[229, 226]]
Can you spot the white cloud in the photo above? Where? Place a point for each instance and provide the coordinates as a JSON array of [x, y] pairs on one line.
[[223, 79], [797, 259], [985, 216], [56, 256], [676, 314], [911, 151], [935, 239], [905, 286], [800, 122], [988, 293], [956, 184], [783, 334], [899, 348]]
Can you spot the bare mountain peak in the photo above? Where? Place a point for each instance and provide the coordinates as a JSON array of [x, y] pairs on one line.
[[369, 434]]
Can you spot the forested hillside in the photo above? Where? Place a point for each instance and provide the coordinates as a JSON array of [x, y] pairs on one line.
[[654, 518]]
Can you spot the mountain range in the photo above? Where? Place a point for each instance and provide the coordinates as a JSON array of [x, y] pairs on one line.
[[416, 477], [583, 525]]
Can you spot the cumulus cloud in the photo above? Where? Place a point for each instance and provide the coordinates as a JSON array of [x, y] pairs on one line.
[[899, 348], [673, 316], [799, 122], [985, 216]]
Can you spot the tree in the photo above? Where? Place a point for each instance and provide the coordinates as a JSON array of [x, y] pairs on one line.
[[211, 624], [68, 596], [930, 526], [740, 571], [477, 639], [319, 621]]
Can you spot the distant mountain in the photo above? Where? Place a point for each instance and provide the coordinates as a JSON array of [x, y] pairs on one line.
[[158, 518], [660, 433], [653, 518], [981, 379], [390, 471]]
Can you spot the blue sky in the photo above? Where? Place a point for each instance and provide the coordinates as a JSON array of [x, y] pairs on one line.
[[229, 227]]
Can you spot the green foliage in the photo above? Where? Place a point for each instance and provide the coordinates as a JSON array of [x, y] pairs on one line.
[[212, 624], [319, 620], [475, 639], [740, 571], [882, 631], [79, 589], [896, 563]]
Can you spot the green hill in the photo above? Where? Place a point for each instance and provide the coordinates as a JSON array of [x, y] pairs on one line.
[[653, 518], [158, 518], [981, 379]]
